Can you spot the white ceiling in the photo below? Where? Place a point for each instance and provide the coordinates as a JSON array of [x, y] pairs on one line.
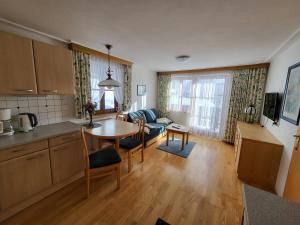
[[152, 32]]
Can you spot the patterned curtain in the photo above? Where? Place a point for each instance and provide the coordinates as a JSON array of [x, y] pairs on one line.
[[163, 89], [248, 87], [127, 87], [81, 63]]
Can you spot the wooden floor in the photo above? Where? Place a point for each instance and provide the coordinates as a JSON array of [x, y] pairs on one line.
[[202, 189]]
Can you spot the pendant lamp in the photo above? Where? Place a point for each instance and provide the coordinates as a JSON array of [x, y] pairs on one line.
[[108, 83]]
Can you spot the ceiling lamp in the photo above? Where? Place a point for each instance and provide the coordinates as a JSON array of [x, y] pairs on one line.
[[109, 83], [182, 58]]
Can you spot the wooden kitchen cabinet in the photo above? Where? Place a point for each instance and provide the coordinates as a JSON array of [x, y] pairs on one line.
[[257, 155], [66, 159], [54, 69], [17, 74], [23, 177]]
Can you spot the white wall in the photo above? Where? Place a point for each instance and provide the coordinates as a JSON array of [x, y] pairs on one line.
[[143, 76], [288, 56]]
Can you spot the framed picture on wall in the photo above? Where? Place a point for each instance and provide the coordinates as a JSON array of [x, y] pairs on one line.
[[141, 90], [291, 102]]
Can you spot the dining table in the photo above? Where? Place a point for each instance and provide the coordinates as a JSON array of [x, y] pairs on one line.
[[113, 129]]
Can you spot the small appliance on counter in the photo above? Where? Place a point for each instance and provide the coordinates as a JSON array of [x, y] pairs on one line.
[[5, 122], [27, 121]]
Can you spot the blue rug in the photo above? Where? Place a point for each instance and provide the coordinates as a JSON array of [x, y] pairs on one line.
[[174, 147]]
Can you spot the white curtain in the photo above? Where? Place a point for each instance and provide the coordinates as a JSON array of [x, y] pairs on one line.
[[98, 68], [204, 98]]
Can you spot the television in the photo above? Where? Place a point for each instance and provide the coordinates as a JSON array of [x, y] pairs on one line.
[[272, 106]]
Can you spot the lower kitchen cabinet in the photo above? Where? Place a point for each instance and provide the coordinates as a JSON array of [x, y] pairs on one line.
[[23, 177], [66, 160]]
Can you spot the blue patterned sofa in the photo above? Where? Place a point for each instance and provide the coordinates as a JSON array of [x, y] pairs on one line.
[[150, 116]]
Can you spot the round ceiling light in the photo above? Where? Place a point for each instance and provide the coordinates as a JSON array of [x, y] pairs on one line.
[[182, 58]]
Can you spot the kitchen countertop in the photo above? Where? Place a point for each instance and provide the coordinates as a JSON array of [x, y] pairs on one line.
[[264, 208], [39, 133]]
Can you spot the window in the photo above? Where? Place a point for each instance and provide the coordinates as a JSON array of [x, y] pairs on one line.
[[107, 103], [107, 100], [204, 99]]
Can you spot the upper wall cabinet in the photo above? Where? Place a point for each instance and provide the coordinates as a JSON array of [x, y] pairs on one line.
[[54, 69], [17, 75]]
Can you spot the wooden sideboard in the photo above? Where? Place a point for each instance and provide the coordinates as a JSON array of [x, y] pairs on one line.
[[257, 155]]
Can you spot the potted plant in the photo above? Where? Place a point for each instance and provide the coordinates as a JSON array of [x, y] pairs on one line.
[[90, 108]]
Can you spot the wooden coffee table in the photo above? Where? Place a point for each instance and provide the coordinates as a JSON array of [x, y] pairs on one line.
[[178, 129]]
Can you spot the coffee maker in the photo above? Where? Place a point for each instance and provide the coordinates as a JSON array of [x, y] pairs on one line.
[[6, 127]]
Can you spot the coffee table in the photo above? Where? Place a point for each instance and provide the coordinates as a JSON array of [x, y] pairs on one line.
[[178, 129]]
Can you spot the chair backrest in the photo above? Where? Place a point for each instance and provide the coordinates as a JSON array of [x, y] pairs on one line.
[[85, 149], [121, 116], [140, 121]]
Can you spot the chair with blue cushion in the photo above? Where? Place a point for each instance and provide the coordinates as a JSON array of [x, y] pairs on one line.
[[121, 116], [101, 163], [135, 143]]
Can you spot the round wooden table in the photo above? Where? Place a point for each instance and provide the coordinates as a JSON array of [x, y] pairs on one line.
[[113, 129]]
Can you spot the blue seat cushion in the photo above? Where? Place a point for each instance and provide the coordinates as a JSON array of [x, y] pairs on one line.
[[160, 126], [104, 157], [129, 143], [151, 115], [154, 132], [137, 114]]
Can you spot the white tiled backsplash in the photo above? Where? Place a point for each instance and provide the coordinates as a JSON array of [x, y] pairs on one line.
[[48, 109]]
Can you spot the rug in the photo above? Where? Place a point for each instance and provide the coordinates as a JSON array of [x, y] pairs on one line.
[[161, 222], [174, 147]]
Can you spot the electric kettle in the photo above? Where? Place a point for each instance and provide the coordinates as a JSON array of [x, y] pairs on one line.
[[27, 121]]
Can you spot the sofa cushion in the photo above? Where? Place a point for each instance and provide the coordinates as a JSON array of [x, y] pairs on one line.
[[150, 115], [160, 126], [134, 115], [104, 157], [129, 143]]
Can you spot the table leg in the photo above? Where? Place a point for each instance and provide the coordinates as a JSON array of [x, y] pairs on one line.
[[117, 144], [167, 138], [182, 146], [187, 138], [173, 137]]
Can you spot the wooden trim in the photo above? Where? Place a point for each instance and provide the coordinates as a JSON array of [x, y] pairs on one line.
[[260, 65], [90, 51]]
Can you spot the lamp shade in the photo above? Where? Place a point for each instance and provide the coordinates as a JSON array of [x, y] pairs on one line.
[[109, 83]]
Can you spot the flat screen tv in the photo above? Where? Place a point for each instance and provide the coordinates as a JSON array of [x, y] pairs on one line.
[[272, 106]]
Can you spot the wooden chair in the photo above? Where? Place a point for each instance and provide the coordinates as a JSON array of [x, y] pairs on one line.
[[100, 163], [121, 116], [135, 143]]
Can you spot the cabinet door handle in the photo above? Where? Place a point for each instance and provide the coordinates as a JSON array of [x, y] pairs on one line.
[[25, 90], [50, 91], [34, 157]]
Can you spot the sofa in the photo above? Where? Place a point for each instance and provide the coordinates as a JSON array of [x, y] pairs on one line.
[[150, 116]]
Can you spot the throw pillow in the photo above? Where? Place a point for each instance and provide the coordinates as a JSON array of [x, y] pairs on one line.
[[164, 120]]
